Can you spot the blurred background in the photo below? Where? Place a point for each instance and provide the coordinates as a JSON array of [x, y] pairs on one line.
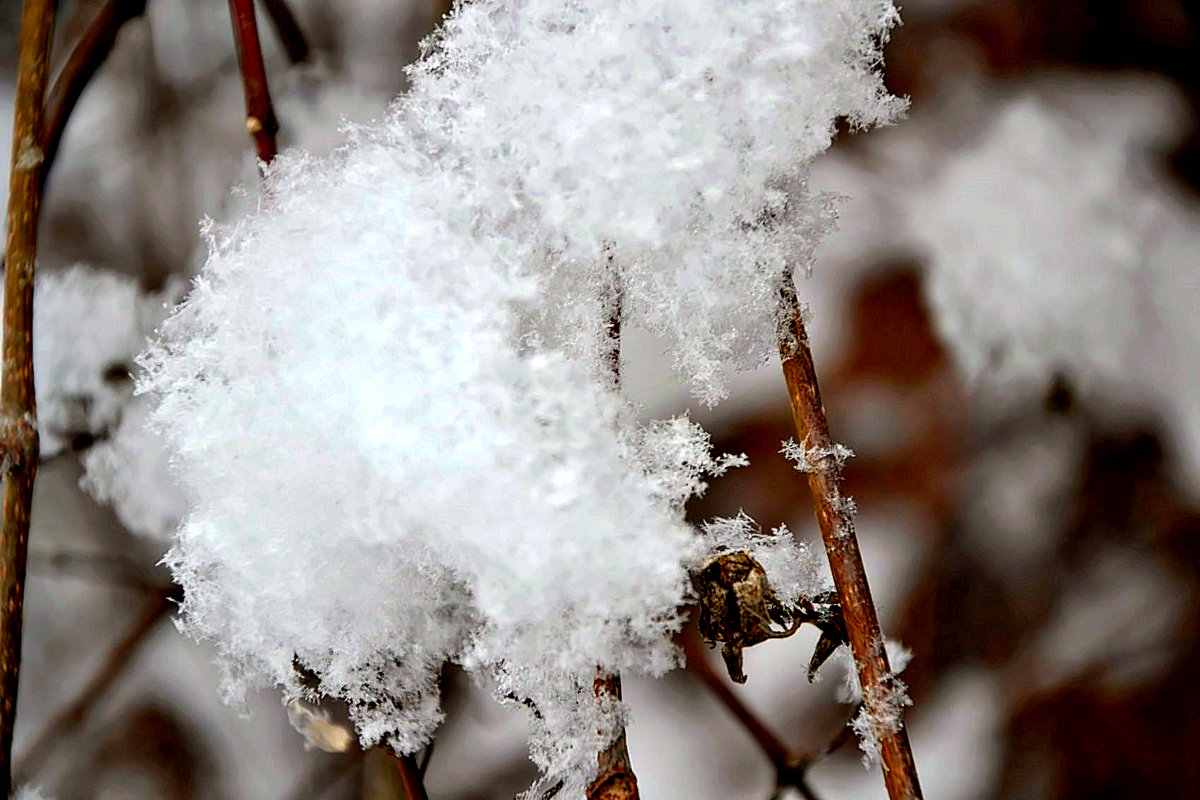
[[1007, 328]]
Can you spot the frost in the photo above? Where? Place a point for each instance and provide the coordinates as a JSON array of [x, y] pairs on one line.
[[384, 398], [882, 713], [811, 459], [883, 706]]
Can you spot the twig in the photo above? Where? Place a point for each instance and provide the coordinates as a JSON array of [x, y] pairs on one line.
[[101, 567], [260, 114], [835, 516], [18, 413], [73, 715], [697, 663], [290, 34], [412, 778], [615, 779]]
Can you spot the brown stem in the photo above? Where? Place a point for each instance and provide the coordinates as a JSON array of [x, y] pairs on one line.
[[290, 34], [615, 779], [260, 114], [835, 516], [411, 779], [74, 714], [18, 413]]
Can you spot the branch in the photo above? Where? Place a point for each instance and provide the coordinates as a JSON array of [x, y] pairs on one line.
[[835, 516], [260, 114], [290, 34], [412, 778], [615, 779], [75, 713], [18, 414]]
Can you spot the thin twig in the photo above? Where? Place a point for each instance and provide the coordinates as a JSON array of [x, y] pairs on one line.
[[18, 413], [290, 34], [697, 663], [835, 517], [615, 779], [411, 778], [260, 113], [72, 716]]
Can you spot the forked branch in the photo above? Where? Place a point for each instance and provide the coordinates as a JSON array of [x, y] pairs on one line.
[[835, 517]]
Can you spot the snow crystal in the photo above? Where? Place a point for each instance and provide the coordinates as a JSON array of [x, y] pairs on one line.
[[381, 397], [811, 459], [883, 706], [671, 139]]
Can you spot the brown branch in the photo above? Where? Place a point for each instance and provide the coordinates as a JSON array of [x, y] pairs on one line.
[[260, 114], [615, 779], [18, 413], [72, 716], [835, 517], [290, 34]]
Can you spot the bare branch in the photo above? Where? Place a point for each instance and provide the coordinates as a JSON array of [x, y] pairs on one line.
[[260, 113], [835, 517], [18, 413]]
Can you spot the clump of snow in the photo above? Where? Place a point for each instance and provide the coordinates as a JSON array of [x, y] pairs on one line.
[[882, 713], [882, 706], [677, 456], [672, 139], [88, 324], [130, 471], [381, 397]]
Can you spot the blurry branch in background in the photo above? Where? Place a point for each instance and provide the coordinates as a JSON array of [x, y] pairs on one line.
[[791, 767], [18, 414], [261, 122], [87, 54], [72, 717], [835, 517], [97, 567], [287, 29]]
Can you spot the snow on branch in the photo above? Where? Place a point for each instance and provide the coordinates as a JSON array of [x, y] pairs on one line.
[[382, 398]]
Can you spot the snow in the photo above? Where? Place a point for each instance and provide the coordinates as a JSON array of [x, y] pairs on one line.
[[384, 397]]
